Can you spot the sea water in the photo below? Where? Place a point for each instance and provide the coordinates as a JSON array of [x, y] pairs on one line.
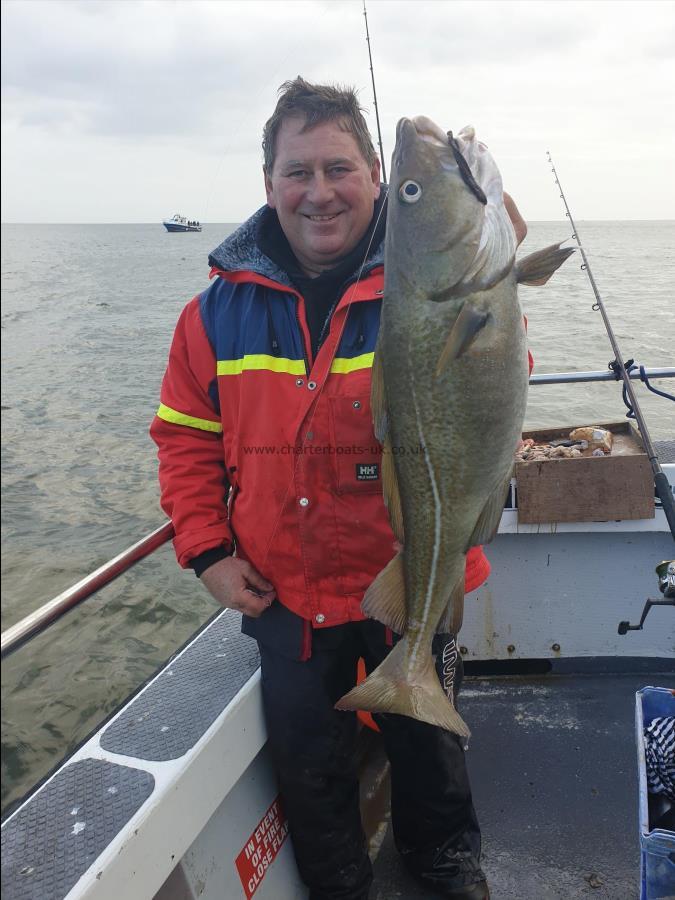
[[88, 313]]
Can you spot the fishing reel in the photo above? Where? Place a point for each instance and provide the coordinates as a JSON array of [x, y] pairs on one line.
[[666, 575]]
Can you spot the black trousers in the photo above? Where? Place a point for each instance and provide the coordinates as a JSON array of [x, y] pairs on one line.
[[434, 822]]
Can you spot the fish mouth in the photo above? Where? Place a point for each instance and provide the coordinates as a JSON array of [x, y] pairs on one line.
[[429, 131], [421, 128], [424, 129]]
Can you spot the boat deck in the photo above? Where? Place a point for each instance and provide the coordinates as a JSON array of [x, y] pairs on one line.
[[553, 766]]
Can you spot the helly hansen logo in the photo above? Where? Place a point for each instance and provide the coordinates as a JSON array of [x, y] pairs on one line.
[[367, 471], [450, 657]]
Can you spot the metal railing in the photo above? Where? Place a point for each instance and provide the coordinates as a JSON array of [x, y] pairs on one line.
[[572, 377], [36, 622]]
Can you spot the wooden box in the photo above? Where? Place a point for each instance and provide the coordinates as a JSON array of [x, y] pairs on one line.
[[590, 488]]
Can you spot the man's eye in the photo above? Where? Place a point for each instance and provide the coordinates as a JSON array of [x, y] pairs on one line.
[[297, 173], [339, 170]]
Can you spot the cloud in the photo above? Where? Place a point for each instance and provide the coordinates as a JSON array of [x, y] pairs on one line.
[[439, 35], [180, 91], [139, 69]]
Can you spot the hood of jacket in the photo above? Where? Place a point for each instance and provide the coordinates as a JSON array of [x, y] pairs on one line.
[[239, 252]]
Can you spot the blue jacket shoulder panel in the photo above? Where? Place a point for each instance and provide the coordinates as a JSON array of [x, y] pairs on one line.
[[247, 319]]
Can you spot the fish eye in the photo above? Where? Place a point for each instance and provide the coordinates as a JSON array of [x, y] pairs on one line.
[[410, 192]]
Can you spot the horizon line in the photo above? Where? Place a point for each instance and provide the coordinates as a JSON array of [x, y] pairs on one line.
[[155, 222]]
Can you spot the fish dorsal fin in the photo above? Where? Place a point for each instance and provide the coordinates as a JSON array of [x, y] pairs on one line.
[[392, 496], [490, 517], [452, 618], [377, 397], [537, 268], [385, 598], [468, 324]]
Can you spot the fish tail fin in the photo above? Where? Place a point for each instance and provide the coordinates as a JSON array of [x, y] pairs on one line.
[[388, 690]]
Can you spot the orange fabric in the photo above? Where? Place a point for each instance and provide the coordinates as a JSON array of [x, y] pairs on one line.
[[364, 717]]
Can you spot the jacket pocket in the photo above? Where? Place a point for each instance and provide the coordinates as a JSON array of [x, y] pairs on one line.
[[357, 453]]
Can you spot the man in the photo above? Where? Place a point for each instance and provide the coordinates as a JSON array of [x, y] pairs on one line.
[[266, 445]]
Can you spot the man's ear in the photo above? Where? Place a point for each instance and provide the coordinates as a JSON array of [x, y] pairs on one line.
[[375, 176], [271, 202]]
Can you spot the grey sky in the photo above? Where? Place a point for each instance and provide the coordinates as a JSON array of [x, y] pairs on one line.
[[131, 110]]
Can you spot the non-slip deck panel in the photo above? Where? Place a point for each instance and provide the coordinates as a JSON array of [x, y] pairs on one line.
[[665, 451], [52, 840], [170, 716]]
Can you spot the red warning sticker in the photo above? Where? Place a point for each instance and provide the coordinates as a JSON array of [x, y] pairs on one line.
[[261, 848]]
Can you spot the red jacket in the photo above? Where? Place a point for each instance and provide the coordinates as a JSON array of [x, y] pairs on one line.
[[244, 406]]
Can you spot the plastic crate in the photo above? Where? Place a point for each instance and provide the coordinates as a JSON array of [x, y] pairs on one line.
[[657, 856]]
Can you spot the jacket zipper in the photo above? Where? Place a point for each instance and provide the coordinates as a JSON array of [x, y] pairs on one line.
[[305, 354]]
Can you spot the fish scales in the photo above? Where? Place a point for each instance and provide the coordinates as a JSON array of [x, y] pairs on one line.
[[469, 454], [449, 397]]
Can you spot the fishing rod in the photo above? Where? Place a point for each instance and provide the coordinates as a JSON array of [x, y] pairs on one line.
[[377, 114], [619, 368]]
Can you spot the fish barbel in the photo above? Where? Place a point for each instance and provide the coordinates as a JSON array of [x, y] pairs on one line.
[[449, 391]]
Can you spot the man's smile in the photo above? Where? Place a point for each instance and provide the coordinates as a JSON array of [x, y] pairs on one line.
[[327, 218]]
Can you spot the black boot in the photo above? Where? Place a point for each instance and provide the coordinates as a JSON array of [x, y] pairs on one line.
[[477, 891]]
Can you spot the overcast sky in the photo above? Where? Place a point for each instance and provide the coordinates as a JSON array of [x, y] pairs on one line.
[[131, 110]]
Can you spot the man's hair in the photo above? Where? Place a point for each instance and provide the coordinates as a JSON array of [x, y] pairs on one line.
[[317, 103]]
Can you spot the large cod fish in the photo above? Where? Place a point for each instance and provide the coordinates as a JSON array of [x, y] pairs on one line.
[[449, 391]]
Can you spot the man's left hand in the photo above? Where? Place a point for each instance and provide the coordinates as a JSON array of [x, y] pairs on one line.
[[519, 224]]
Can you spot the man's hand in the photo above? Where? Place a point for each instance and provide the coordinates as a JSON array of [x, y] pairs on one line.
[[235, 584], [519, 224]]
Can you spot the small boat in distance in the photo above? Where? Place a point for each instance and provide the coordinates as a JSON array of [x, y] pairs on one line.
[[180, 223]]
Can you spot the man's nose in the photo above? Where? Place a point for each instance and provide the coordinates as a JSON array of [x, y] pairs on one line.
[[320, 190]]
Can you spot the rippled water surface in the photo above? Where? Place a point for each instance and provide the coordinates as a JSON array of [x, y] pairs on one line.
[[87, 317]]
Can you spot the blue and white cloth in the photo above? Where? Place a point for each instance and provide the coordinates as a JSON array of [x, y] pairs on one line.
[[660, 756]]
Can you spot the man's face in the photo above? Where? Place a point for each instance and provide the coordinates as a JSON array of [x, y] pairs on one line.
[[323, 191]]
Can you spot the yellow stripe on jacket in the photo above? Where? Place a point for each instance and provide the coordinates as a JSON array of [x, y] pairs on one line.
[[261, 362], [179, 418]]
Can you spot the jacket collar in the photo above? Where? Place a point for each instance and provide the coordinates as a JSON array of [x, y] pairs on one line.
[[239, 252]]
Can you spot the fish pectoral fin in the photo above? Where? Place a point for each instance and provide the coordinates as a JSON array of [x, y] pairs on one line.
[[485, 530], [537, 268], [468, 324], [490, 517], [392, 495], [385, 598], [452, 618], [378, 403]]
